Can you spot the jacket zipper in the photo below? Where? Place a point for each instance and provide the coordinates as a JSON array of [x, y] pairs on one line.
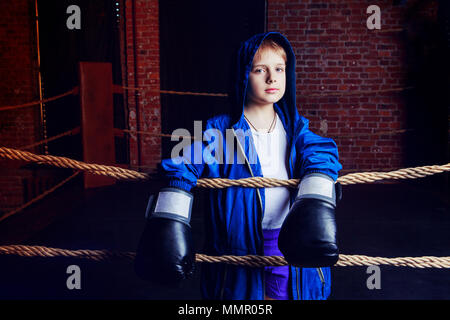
[[260, 205], [250, 169], [322, 279], [298, 284]]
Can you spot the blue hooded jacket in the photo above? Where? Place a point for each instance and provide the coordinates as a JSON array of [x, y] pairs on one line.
[[235, 214]]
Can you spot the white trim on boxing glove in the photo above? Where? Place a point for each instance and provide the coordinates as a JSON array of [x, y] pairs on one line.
[[172, 203], [317, 186]]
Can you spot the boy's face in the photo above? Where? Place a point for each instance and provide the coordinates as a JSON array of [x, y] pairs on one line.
[[267, 78]]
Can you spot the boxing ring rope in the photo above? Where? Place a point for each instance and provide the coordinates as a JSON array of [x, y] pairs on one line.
[[73, 91], [379, 133], [249, 260], [72, 132], [156, 134], [306, 93], [356, 92], [347, 136], [76, 130], [254, 182], [39, 197]]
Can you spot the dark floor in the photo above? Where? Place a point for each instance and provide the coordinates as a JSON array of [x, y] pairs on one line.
[[387, 220]]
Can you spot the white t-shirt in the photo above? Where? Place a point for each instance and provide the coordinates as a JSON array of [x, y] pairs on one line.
[[271, 148]]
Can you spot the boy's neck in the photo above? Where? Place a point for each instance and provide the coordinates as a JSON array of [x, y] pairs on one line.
[[261, 116]]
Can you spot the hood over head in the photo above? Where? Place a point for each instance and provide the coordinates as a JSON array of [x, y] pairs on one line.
[[287, 104]]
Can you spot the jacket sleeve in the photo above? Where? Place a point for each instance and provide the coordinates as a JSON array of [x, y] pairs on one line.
[[185, 167], [317, 154]]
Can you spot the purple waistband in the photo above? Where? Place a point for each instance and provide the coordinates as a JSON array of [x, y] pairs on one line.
[[271, 234], [271, 242], [276, 277]]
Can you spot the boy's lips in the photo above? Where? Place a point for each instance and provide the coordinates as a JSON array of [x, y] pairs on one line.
[[272, 90]]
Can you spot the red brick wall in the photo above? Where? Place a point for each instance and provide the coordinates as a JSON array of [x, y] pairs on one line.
[[18, 84], [145, 150], [337, 53], [19, 75]]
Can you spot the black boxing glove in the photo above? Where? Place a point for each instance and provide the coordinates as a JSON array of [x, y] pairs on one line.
[[165, 254], [308, 234]]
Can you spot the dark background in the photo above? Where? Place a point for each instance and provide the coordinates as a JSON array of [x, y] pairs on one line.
[[389, 220]]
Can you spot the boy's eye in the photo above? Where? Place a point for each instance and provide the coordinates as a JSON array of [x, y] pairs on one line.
[[259, 70], [280, 69]]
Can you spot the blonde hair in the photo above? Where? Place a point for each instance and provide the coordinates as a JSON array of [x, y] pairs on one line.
[[271, 44]]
